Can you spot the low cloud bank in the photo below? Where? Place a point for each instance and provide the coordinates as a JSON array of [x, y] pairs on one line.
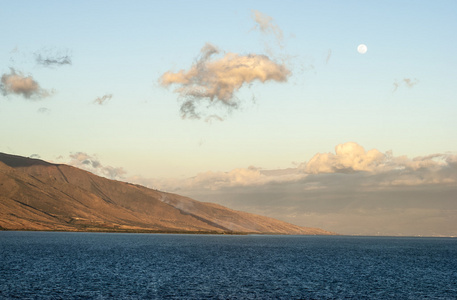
[[367, 168], [350, 191]]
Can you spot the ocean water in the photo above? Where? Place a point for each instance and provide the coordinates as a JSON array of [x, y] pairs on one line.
[[58, 265]]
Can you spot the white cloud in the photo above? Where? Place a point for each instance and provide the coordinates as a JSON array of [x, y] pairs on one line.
[[349, 157]]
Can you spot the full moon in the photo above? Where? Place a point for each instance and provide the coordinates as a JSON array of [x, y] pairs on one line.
[[362, 48]]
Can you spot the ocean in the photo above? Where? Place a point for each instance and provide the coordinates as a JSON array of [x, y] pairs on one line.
[[64, 265]]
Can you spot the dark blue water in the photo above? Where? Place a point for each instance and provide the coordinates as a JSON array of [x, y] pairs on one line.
[[50, 265]]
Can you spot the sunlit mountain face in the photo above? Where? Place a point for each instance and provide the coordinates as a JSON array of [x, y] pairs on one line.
[[37, 195]]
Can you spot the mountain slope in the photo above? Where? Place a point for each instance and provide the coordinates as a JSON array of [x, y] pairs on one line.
[[37, 195]]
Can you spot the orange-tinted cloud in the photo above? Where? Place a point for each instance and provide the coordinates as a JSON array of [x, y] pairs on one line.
[[17, 83], [216, 80], [103, 99]]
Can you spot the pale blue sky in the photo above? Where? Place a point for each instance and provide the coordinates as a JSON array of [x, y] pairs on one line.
[[123, 47], [334, 94]]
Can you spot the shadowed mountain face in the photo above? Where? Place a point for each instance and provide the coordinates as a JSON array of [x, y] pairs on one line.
[[37, 195]]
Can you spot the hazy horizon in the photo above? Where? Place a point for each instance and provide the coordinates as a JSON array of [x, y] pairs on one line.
[[260, 106]]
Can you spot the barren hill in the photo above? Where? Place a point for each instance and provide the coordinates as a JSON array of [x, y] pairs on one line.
[[37, 195]]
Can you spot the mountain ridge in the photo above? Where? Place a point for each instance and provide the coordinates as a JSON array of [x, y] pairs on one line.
[[38, 195]]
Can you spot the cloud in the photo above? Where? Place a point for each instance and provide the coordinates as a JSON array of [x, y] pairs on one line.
[[250, 176], [43, 110], [406, 82], [329, 55], [267, 25], [216, 80], [207, 180], [53, 61], [52, 58], [350, 157], [238, 177], [19, 84], [370, 169], [356, 203], [92, 164], [103, 99]]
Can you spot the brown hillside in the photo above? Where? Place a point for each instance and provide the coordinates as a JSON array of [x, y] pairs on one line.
[[37, 195]]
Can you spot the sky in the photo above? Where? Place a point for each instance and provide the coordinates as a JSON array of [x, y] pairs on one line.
[[261, 106]]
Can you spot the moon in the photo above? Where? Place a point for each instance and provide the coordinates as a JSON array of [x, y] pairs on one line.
[[362, 48]]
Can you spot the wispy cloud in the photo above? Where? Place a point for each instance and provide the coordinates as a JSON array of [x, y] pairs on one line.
[[405, 82], [103, 99], [216, 80], [267, 25], [50, 58], [43, 110], [329, 55], [16, 83], [251, 176], [92, 164]]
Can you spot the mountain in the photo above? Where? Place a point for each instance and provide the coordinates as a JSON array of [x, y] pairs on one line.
[[38, 195]]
